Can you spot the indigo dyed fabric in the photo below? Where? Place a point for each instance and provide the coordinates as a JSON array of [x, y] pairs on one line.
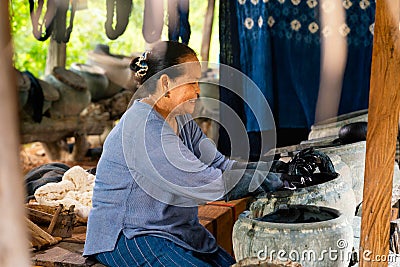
[[155, 252], [360, 18], [279, 49], [255, 61], [178, 20]]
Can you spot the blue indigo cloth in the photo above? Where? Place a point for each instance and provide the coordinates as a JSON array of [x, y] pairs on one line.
[[152, 251], [178, 20], [255, 61], [185, 171], [277, 44]]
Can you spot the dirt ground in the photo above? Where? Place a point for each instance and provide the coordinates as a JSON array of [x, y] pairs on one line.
[[33, 155]]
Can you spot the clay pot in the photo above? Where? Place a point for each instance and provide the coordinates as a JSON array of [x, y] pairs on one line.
[[306, 243], [95, 77], [74, 95]]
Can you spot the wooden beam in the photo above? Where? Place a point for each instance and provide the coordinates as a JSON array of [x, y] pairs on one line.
[[13, 238], [56, 55], [383, 117], [207, 29], [57, 52]]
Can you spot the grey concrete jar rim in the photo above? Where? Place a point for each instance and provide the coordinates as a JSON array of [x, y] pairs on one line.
[[244, 218], [88, 69], [66, 78], [299, 191], [344, 147], [333, 121]]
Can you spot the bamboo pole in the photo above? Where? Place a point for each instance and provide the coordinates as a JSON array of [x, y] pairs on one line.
[[383, 117], [13, 234], [207, 29]]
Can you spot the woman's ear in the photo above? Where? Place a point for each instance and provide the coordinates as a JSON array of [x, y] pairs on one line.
[[164, 83]]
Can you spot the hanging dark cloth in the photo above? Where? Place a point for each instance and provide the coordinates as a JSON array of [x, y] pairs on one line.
[[178, 20], [153, 20], [63, 33], [48, 20], [295, 44], [229, 55], [123, 9], [35, 97]]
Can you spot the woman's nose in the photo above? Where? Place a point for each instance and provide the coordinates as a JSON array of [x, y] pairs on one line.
[[197, 88]]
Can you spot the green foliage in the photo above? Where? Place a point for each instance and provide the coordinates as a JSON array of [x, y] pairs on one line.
[[88, 31]]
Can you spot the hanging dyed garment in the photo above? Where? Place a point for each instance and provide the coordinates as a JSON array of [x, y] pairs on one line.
[[294, 55], [178, 20], [229, 55], [153, 20], [295, 44], [255, 61], [122, 10], [359, 30], [277, 44]]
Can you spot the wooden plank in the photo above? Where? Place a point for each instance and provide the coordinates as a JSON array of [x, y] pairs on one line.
[[237, 206], [221, 218], [58, 257], [383, 117], [13, 237]]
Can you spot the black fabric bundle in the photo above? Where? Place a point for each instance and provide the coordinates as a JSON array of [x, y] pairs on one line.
[[36, 97]]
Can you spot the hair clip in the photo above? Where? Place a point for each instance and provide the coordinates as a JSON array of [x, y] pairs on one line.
[[142, 64]]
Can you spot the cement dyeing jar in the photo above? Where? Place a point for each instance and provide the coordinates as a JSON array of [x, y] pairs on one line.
[[325, 243], [95, 78], [330, 127], [74, 94], [336, 194], [354, 156]]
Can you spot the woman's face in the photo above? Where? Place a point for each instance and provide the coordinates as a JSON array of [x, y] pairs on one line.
[[184, 90]]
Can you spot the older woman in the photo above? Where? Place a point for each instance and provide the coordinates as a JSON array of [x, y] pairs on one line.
[[156, 167]]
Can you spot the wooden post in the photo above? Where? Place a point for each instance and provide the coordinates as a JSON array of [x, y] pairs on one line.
[[383, 117], [56, 55], [207, 29], [57, 52], [13, 238]]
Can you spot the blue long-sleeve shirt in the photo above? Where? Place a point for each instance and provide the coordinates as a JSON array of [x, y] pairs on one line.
[[150, 181]]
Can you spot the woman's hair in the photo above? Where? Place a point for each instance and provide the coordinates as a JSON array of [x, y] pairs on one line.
[[162, 56]]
